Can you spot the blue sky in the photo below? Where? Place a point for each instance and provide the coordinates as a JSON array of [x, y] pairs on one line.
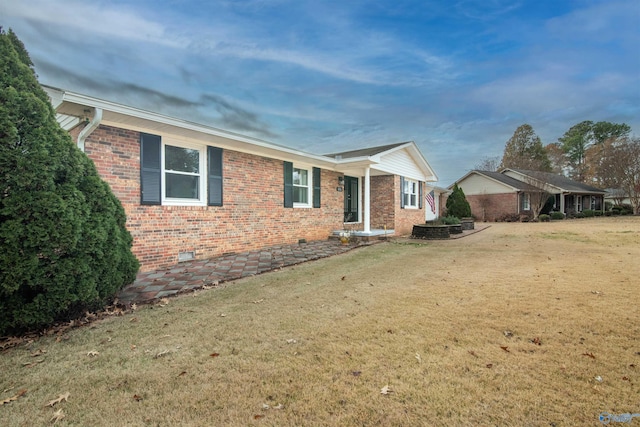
[[455, 76]]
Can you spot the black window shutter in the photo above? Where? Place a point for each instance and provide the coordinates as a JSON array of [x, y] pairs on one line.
[[150, 169], [316, 187], [420, 194], [402, 192], [288, 184], [214, 176]]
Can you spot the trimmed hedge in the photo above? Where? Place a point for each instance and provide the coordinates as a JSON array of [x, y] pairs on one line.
[[557, 215]]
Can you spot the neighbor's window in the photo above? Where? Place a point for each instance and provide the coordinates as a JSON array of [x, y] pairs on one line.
[[526, 202], [183, 175], [301, 187], [410, 193]]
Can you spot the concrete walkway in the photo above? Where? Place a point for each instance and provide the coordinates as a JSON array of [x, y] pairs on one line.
[[192, 275]]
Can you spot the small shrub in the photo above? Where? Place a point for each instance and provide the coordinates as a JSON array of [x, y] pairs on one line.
[[579, 215], [450, 220], [622, 209], [588, 213], [608, 213], [597, 213], [557, 215], [544, 218], [508, 218]]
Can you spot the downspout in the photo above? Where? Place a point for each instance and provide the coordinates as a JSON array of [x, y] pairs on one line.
[[89, 128]]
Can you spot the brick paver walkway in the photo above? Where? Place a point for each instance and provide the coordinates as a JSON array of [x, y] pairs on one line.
[[197, 274], [210, 272]]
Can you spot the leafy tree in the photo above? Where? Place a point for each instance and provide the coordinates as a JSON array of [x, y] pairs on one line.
[[524, 150], [457, 204], [576, 141], [63, 242], [557, 158]]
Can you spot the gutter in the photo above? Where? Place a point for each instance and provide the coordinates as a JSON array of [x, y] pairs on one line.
[[89, 128]]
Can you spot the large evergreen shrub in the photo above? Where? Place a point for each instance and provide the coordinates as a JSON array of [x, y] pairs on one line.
[[457, 204], [63, 242]]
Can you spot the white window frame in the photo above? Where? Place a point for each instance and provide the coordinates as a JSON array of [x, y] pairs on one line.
[[412, 186], [526, 201], [309, 186], [202, 181]]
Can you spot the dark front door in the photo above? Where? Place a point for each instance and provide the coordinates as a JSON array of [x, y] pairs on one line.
[[351, 199]]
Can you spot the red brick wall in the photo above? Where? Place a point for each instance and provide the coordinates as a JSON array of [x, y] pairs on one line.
[[385, 206], [382, 202], [491, 207], [252, 217]]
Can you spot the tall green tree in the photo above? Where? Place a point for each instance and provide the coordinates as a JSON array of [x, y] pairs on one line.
[[457, 204], [524, 150], [580, 137], [63, 242]]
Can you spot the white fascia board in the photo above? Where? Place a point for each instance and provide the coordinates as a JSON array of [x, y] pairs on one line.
[[146, 120], [422, 162], [418, 157]]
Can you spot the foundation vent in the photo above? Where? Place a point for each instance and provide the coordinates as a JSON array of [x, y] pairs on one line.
[[186, 256]]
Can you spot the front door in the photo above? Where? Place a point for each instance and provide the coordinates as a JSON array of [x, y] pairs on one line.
[[351, 213]]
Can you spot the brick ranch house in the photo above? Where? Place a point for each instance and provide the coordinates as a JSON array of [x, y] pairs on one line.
[[496, 195], [192, 191]]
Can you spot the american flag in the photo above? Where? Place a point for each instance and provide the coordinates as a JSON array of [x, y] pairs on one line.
[[432, 201]]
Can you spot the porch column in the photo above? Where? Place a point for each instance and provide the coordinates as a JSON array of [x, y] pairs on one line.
[[367, 200]]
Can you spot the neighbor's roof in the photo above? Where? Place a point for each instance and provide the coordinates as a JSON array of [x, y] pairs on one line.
[[504, 179], [561, 182]]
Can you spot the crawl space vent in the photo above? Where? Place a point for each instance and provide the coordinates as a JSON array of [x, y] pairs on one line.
[[186, 256]]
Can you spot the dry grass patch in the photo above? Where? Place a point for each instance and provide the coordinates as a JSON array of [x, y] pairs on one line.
[[520, 324]]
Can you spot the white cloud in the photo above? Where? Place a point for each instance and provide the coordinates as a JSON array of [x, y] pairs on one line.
[[93, 18]]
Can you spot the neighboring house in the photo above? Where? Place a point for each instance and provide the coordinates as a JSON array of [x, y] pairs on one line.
[[191, 191], [617, 197], [497, 195]]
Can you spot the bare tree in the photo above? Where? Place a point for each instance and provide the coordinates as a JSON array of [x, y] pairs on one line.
[[490, 164], [538, 197], [622, 169], [485, 202]]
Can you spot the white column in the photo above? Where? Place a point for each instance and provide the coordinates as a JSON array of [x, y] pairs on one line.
[[367, 200]]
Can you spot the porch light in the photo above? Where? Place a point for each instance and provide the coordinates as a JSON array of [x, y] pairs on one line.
[[341, 180]]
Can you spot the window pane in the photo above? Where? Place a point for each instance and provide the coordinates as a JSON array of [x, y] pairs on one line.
[[181, 159], [300, 195], [182, 186], [300, 177]]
